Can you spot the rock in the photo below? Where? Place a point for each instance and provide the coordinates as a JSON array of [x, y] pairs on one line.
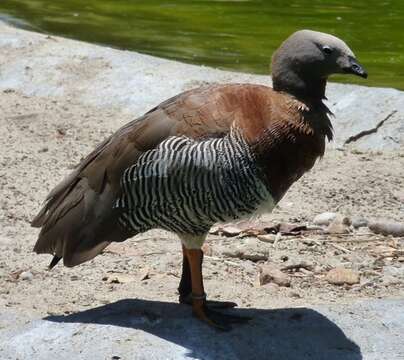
[[324, 219], [26, 275], [359, 221], [268, 238], [386, 227], [271, 274], [341, 276]]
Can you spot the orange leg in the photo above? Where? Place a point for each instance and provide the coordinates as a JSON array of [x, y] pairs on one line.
[[185, 286], [199, 308]]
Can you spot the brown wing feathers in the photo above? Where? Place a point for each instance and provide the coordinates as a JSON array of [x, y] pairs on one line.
[[78, 220]]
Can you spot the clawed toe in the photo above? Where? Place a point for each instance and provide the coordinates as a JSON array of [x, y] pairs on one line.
[[211, 319], [218, 320]]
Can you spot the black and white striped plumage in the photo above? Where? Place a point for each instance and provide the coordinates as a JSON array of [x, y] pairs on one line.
[[186, 186]]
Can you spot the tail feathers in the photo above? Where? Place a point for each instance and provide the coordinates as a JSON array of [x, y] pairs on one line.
[[54, 262], [80, 226]]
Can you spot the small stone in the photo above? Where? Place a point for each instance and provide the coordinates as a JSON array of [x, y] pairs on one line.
[[26, 275], [340, 276], [271, 274], [74, 278], [324, 219], [359, 221], [268, 238], [386, 227]]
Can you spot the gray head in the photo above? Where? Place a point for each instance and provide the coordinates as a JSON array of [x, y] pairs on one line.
[[307, 58]]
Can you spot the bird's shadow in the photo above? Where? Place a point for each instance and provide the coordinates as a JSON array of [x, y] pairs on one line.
[[289, 333]]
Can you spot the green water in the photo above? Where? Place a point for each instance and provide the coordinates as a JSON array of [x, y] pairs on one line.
[[237, 35]]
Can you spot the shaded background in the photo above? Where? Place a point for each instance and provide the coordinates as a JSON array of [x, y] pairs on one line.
[[228, 34]]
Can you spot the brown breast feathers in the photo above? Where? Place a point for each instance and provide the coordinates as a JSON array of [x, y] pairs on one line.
[[286, 135]]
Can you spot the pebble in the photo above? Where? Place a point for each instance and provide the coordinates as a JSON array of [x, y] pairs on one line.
[[26, 275], [359, 221], [324, 219], [268, 238], [271, 274], [386, 227], [340, 276]]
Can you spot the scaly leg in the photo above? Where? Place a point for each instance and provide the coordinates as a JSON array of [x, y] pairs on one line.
[[185, 287], [199, 308]]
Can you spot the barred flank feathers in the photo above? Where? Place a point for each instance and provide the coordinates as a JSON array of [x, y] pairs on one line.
[[186, 186]]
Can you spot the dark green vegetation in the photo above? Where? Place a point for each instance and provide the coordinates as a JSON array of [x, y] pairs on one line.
[[239, 35]]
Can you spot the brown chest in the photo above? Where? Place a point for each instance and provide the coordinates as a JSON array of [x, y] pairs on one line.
[[285, 151]]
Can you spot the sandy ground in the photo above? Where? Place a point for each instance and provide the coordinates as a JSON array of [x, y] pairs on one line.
[[44, 138]]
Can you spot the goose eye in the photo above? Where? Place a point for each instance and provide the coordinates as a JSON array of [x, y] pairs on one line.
[[327, 50]]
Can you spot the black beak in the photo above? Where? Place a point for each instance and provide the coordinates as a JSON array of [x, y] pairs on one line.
[[355, 68]]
